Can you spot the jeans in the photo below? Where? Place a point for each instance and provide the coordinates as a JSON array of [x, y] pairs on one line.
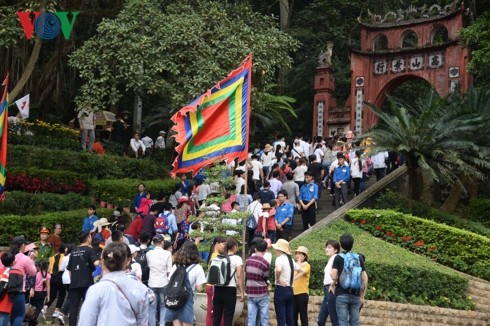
[[91, 137], [157, 304], [284, 305], [18, 309], [348, 305], [4, 318], [328, 308], [261, 305]]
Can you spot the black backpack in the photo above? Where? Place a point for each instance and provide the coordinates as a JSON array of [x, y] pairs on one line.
[[177, 293], [141, 259]]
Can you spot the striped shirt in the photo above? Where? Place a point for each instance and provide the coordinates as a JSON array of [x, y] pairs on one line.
[[257, 273]]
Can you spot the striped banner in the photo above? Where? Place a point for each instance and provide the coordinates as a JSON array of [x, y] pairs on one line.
[[215, 126]]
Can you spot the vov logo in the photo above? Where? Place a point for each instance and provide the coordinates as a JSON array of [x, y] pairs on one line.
[[47, 25]]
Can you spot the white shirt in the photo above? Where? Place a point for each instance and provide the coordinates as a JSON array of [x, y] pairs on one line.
[[160, 142], [275, 185], [285, 276], [160, 264], [297, 151], [66, 274], [196, 275], [203, 192], [267, 158], [355, 172], [299, 173], [379, 160], [136, 268], [256, 167], [235, 262], [327, 279], [306, 148], [239, 182], [319, 155], [137, 144], [256, 209], [147, 141], [86, 119]]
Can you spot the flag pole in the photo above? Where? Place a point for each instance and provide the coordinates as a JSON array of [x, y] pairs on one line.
[[244, 228]]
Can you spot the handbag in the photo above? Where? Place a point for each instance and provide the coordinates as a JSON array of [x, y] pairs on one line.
[[30, 311]]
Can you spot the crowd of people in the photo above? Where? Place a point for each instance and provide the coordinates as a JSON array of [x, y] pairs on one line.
[[122, 266]]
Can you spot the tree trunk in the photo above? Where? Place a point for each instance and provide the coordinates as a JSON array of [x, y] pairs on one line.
[[452, 201], [27, 71]]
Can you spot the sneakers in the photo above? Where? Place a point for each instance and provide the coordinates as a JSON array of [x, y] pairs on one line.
[[43, 313], [61, 318]]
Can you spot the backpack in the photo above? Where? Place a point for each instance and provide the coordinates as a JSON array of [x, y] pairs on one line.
[[220, 271], [11, 282], [177, 293], [350, 277], [141, 259], [161, 224]]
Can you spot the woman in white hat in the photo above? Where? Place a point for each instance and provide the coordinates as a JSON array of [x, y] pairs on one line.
[[103, 233], [301, 287], [284, 273]]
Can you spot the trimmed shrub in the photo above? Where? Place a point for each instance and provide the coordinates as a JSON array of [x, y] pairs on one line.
[[63, 143], [459, 249], [125, 189], [29, 225], [394, 201], [23, 203], [86, 164], [479, 211], [38, 180], [395, 274]]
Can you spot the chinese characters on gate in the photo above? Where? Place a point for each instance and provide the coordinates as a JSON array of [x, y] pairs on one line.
[[416, 62]]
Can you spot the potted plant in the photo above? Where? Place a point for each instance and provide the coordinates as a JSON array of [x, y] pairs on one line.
[[212, 221]]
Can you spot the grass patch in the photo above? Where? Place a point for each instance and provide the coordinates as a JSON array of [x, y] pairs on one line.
[[395, 274]]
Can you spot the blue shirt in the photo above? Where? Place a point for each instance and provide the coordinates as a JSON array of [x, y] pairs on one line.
[[172, 222], [308, 192], [137, 200], [341, 173], [185, 187], [88, 223], [105, 303], [284, 211]]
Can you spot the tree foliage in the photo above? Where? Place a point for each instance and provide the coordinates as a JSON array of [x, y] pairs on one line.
[[438, 135], [176, 51]]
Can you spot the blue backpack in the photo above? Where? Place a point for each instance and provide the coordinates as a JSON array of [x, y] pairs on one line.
[[350, 277]]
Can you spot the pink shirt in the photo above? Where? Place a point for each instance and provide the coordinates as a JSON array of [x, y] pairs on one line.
[[24, 264], [38, 286]]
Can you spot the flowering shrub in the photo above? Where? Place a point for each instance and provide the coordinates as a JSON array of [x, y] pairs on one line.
[[42, 128], [36, 180], [459, 249]]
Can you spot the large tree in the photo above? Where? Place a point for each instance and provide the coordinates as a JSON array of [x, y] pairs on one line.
[[177, 51], [438, 136]]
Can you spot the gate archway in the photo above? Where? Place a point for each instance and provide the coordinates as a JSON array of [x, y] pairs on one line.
[[416, 44]]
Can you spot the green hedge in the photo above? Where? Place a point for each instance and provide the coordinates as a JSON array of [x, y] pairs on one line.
[[459, 249], [478, 212], [23, 203], [395, 274], [89, 165], [119, 190], [29, 225], [63, 143]]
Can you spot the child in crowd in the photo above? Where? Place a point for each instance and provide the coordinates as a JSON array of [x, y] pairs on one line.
[[39, 293]]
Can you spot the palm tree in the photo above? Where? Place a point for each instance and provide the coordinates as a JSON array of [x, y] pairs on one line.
[[437, 135]]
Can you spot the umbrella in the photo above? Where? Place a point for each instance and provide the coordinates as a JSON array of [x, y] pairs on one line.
[[102, 117]]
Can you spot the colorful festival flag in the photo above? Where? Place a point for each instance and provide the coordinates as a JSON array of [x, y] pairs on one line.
[[23, 105], [4, 135], [215, 126]]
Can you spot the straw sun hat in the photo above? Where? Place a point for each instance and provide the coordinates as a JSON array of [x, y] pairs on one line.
[[282, 245]]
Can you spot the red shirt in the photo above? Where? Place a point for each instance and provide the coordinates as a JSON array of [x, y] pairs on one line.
[[135, 227], [5, 303]]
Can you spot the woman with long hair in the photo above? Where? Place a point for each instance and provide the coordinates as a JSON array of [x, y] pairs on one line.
[[115, 294], [188, 256], [27, 266], [217, 247]]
